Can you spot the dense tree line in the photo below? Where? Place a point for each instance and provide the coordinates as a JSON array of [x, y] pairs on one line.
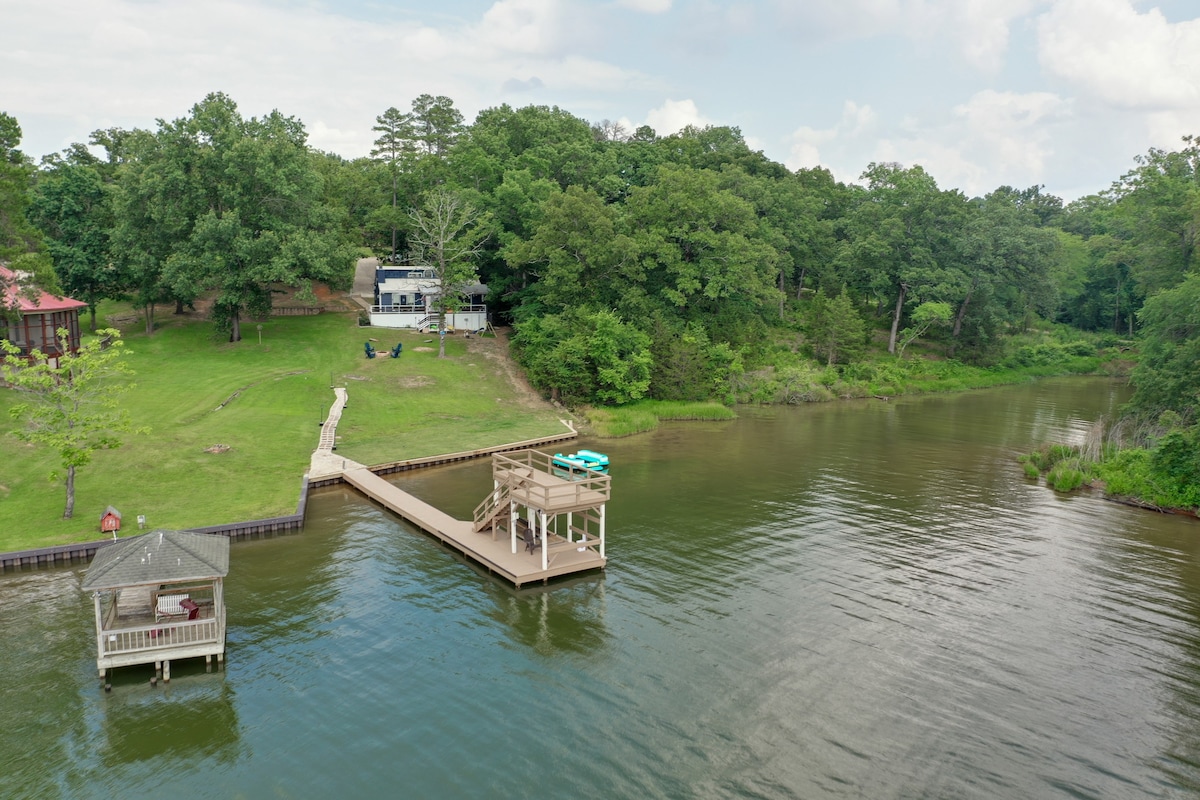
[[630, 264]]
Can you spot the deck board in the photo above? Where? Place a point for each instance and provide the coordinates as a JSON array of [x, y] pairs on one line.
[[495, 554]]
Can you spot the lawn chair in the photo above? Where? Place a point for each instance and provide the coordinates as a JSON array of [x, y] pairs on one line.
[[370, 350], [531, 542], [396, 350]]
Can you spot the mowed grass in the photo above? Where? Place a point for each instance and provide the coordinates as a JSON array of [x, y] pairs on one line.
[[264, 402]]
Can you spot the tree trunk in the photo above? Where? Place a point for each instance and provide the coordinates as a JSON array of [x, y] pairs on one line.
[[393, 214], [235, 327], [178, 305], [896, 318], [69, 511], [782, 294], [962, 312], [149, 313], [442, 330], [800, 285]]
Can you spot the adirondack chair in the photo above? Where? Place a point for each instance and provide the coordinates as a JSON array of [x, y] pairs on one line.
[[396, 350], [370, 350]]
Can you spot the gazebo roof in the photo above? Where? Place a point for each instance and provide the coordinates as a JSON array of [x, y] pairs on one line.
[[35, 302], [160, 556]]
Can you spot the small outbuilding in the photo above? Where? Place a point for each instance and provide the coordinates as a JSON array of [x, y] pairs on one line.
[[159, 597], [110, 520]]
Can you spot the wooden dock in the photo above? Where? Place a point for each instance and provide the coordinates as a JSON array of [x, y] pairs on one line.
[[495, 545]]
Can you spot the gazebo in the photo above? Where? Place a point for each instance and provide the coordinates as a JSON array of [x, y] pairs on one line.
[[159, 597], [38, 317]]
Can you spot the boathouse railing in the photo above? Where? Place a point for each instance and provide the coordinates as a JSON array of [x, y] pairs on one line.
[[113, 642]]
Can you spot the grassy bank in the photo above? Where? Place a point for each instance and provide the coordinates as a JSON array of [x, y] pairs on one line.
[[263, 401], [645, 416]]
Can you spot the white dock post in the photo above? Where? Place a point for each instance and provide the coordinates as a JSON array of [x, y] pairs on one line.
[[570, 533], [602, 530], [512, 524], [542, 525]]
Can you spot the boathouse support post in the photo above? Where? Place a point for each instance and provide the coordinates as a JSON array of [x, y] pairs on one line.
[[602, 505], [570, 533], [512, 525], [542, 528]]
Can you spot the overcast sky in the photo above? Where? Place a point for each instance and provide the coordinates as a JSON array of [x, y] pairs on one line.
[[981, 93]]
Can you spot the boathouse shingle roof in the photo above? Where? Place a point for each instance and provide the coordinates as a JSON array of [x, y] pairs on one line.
[[160, 556]]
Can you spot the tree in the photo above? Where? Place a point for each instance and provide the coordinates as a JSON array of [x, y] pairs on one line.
[[924, 317], [71, 205], [835, 329], [394, 144], [902, 240], [17, 236], [71, 404], [1166, 378], [448, 235], [234, 206], [436, 123]]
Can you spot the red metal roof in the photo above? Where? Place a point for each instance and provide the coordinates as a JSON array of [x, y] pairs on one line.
[[44, 302]]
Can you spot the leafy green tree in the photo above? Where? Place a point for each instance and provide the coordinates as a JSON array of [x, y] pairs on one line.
[[1166, 378], [448, 234], [17, 236], [230, 205], [924, 317], [585, 355], [1159, 203], [902, 240], [72, 403], [701, 249], [835, 329], [579, 252], [71, 206]]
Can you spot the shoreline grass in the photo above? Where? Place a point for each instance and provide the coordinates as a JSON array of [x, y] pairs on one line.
[[611, 423]]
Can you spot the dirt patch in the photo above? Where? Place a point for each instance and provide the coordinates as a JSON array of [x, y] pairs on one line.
[[217, 448], [415, 382], [422, 349], [495, 349]]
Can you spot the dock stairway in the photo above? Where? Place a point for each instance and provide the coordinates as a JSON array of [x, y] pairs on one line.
[[492, 507]]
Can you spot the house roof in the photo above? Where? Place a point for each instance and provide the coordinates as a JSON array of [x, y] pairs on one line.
[[160, 556], [111, 510], [35, 302]]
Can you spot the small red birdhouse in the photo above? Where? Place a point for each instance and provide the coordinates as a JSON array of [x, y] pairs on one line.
[[110, 520]]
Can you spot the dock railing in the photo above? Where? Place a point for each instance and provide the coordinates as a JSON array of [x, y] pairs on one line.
[[516, 470]]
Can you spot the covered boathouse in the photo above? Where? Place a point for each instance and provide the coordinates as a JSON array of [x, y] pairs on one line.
[[159, 597]]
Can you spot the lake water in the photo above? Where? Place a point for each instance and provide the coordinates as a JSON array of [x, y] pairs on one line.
[[837, 601]]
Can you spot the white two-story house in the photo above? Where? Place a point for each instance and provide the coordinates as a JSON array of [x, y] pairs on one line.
[[409, 297]]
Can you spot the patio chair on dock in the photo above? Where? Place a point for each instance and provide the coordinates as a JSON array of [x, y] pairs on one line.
[[532, 542]]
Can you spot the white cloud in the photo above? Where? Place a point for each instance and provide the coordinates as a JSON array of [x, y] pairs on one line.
[[674, 115], [1009, 130], [646, 6], [977, 29], [806, 142], [1126, 59]]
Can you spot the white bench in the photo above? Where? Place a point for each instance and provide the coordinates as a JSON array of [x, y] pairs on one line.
[[169, 606]]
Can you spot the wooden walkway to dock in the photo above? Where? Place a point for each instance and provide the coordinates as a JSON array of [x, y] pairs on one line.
[[494, 554]]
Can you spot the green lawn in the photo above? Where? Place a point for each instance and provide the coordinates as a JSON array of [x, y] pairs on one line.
[[274, 395]]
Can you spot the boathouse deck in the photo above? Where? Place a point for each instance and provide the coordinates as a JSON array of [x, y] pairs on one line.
[[517, 475]]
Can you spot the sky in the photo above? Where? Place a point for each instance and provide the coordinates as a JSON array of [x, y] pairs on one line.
[[981, 93]]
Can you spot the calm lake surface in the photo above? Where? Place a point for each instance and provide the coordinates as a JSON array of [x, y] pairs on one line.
[[844, 600]]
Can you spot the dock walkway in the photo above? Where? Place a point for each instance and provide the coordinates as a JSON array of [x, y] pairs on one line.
[[562, 556], [496, 555]]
